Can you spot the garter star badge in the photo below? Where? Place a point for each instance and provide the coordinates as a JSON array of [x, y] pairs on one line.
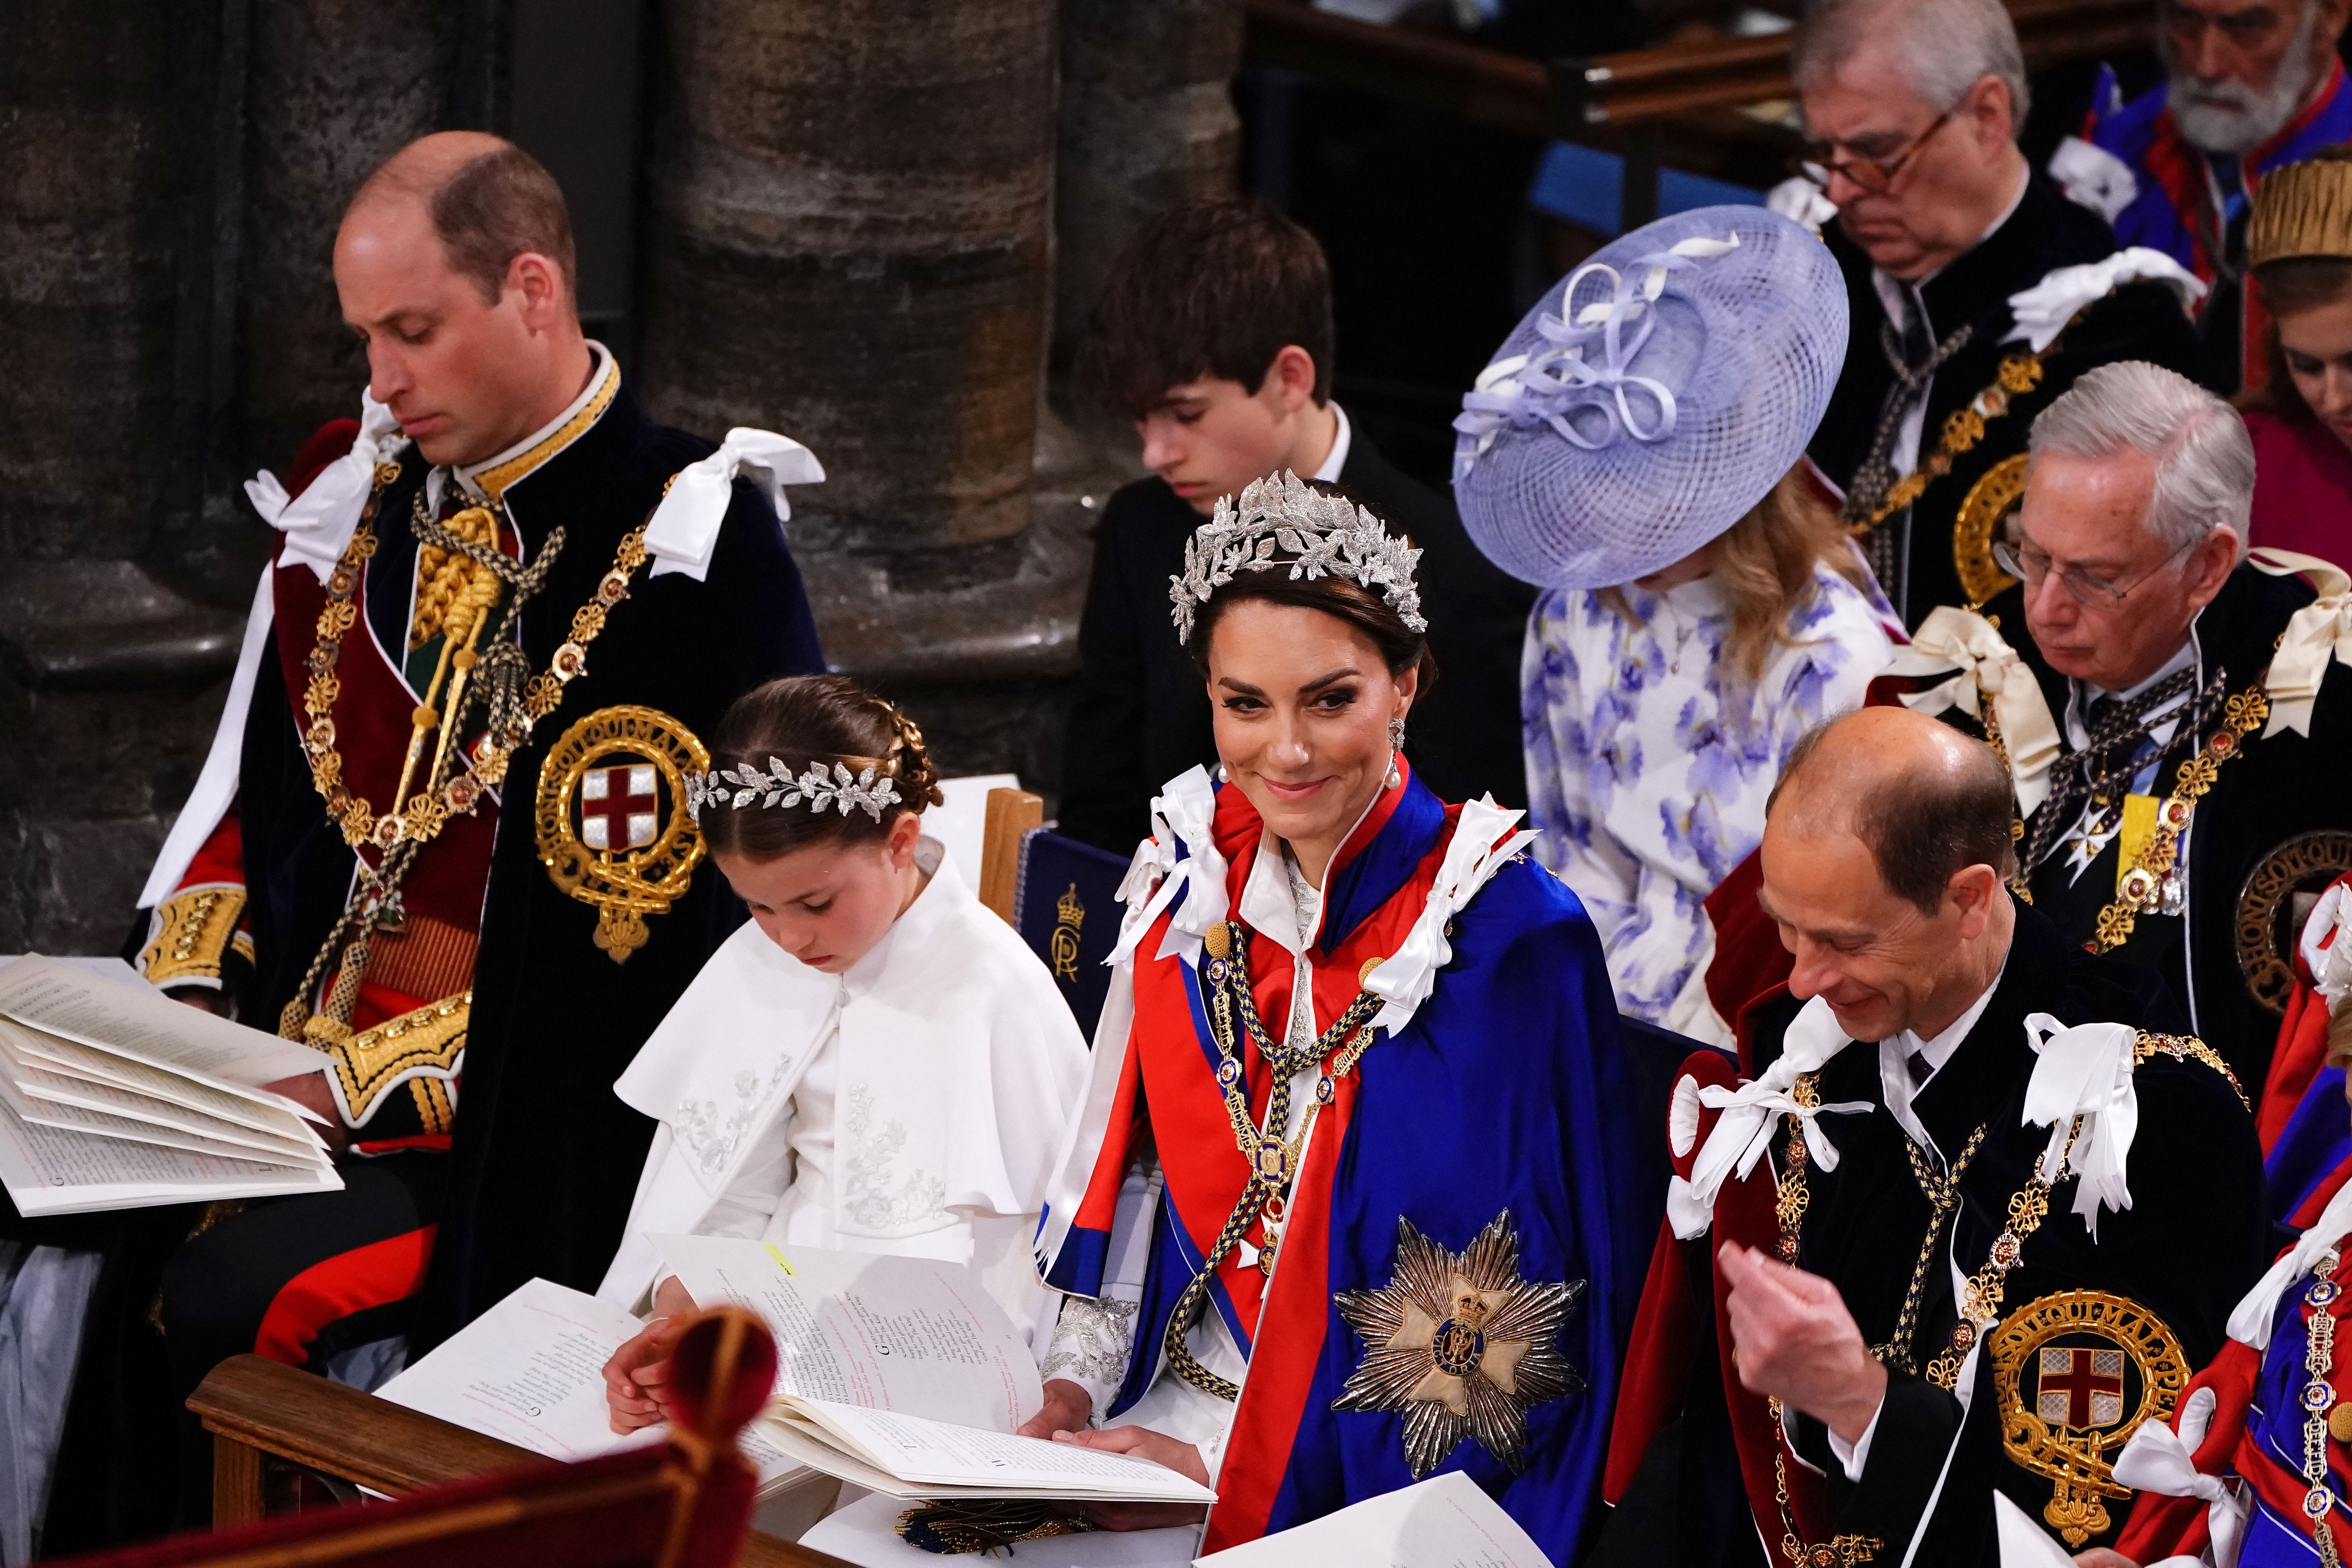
[[613, 827], [1460, 1344], [2074, 1374]]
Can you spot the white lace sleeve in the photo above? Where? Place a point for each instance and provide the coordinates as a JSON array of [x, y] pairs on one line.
[[1094, 1339], [1093, 1343]]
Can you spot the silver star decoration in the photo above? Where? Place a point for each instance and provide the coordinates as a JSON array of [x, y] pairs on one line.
[[1460, 1344]]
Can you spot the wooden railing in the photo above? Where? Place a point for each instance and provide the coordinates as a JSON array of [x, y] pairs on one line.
[[261, 1414], [1623, 102]]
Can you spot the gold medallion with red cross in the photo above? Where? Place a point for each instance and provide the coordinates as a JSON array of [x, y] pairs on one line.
[[611, 818], [2074, 1374]]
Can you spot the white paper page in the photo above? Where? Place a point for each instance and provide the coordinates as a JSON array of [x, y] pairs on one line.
[[531, 1372], [246, 1106], [105, 1124], [49, 1171], [147, 1026], [1445, 1521], [106, 968], [39, 1084], [891, 1333], [924, 1454]]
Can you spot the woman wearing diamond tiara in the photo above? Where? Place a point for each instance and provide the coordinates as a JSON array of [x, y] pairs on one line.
[[1350, 1199], [874, 1063], [1637, 450]]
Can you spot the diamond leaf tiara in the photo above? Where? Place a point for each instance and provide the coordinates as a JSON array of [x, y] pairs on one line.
[[869, 790], [1287, 522]]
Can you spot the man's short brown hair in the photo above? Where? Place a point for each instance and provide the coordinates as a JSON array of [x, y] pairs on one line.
[[1207, 288], [1935, 825], [491, 209]]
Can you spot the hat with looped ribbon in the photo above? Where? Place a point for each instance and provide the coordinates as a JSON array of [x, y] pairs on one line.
[[1651, 398]]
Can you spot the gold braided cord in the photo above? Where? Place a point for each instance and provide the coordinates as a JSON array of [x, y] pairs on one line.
[[1943, 1195], [1273, 1157]]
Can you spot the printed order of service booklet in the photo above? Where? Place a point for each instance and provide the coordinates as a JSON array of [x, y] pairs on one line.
[[900, 1374], [113, 1096]]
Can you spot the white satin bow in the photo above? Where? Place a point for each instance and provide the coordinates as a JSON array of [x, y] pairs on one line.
[[2327, 942], [1482, 841], [1963, 640], [1744, 1132], [2042, 312], [2158, 1459], [2256, 1313], [319, 523], [2315, 634], [1180, 815], [2084, 1071], [685, 528]]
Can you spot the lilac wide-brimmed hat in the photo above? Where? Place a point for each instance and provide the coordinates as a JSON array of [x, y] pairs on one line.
[[1651, 398]]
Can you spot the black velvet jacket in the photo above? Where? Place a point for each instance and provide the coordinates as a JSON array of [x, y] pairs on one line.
[[1141, 716], [2140, 321], [545, 1158], [2189, 1246], [2265, 802]]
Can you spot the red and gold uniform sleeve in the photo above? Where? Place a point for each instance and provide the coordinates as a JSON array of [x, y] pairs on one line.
[[201, 927]]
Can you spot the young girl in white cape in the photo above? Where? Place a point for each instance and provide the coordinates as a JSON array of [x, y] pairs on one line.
[[874, 1063]]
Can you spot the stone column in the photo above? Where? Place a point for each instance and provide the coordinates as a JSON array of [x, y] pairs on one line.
[[103, 227], [848, 241], [1147, 120], [332, 90]]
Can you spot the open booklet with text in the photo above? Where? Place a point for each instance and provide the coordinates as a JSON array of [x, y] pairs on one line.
[[113, 1096], [900, 1374]]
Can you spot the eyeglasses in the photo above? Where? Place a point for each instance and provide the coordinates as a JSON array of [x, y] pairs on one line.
[[1871, 174], [2030, 566]]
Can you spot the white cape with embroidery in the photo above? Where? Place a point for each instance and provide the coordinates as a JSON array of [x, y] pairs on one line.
[[956, 1063]]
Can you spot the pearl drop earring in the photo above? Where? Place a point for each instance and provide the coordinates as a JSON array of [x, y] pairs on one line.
[[1396, 745]]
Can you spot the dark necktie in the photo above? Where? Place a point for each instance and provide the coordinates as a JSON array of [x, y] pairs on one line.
[[1916, 1062]]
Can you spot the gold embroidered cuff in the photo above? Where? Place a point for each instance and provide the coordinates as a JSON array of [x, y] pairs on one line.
[[192, 931], [424, 1048]]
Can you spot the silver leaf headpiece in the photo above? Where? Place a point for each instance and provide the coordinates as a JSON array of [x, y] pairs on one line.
[[868, 790], [1287, 522]]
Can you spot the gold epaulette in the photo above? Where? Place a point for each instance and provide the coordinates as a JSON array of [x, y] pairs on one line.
[[418, 1047], [193, 931], [2188, 1048]]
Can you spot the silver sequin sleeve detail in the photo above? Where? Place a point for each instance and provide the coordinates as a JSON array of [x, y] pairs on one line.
[[1093, 1343]]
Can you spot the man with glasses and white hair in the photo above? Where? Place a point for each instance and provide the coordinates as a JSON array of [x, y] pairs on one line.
[[2252, 86], [2181, 758], [1977, 291]]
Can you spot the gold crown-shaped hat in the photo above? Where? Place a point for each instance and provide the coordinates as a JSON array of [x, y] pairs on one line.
[[2304, 209]]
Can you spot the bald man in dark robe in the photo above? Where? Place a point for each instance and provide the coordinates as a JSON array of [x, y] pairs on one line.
[[476, 929], [1951, 1091]]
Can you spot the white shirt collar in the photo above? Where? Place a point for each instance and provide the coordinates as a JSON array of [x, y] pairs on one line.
[[1894, 1060], [1329, 472]]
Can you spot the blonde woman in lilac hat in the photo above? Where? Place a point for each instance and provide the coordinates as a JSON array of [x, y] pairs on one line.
[[1637, 449]]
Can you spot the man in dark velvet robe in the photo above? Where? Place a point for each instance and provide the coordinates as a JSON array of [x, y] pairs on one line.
[[442, 918], [1913, 107], [2019, 1118]]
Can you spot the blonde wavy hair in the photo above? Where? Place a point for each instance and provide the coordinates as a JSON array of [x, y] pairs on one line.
[[1765, 563]]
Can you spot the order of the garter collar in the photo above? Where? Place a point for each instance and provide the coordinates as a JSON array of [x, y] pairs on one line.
[[868, 790], [1287, 522]]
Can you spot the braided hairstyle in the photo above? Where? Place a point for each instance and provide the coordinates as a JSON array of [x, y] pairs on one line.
[[823, 718]]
